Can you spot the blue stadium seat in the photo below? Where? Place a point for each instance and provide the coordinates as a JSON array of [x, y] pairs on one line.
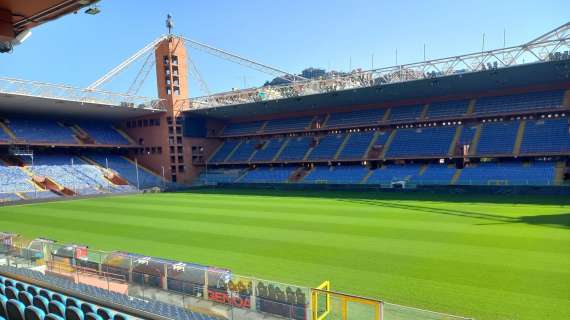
[[41, 303], [509, 173], [421, 142], [244, 151], [34, 313], [47, 131], [73, 313], [268, 175], [296, 149], [52, 316], [350, 174], [12, 293], [546, 136], [497, 138], [26, 298], [447, 109], [355, 118], [103, 133], [93, 316], [269, 150], [357, 144], [56, 308], [3, 301], [327, 147], [224, 151], [520, 102], [15, 309], [405, 113], [242, 128], [287, 125]]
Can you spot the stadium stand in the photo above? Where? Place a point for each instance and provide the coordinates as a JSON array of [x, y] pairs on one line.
[[295, 149], [447, 109], [418, 142], [393, 173], [41, 131], [103, 133], [546, 136], [268, 175], [497, 138], [351, 174], [357, 145], [269, 150], [242, 128], [406, 113], [224, 150], [128, 170], [244, 151], [290, 124], [355, 118], [38, 302], [14, 179], [520, 102], [509, 173], [220, 175], [435, 174], [326, 147]]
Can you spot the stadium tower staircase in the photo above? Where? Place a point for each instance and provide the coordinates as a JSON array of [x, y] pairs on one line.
[[386, 115], [229, 156], [453, 147], [475, 141], [519, 138], [299, 174], [456, 176], [424, 113], [46, 183], [342, 145], [110, 176], [471, 107], [327, 117], [125, 135], [263, 125], [283, 145], [369, 154], [7, 130], [423, 169], [566, 101], [559, 172], [368, 174], [388, 143], [81, 135]]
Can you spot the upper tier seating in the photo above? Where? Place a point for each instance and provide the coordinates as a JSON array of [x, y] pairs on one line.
[[406, 113], [543, 136], [14, 179], [268, 175], [128, 170], [356, 146], [497, 138], [351, 174], [355, 118], [152, 306], [242, 128], [289, 124], [390, 173], [516, 173], [244, 151], [435, 174], [269, 150], [327, 147], [103, 133], [41, 131], [519, 102], [447, 109], [296, 148], [224, 151], [421, 142]]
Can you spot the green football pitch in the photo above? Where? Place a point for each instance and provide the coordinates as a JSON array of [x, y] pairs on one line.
[[489, 257]]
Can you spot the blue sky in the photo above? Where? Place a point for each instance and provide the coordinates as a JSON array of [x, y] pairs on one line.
[[291, 35]]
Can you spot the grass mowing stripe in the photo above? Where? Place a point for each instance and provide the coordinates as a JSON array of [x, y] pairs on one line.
[[405, 261], [404, 245]]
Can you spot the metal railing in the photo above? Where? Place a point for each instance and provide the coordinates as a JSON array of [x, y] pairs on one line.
[[69, 93], [553, 46]]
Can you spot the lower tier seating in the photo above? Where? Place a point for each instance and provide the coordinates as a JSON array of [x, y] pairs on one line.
[[128, 170], [24, 301], [536, 173]]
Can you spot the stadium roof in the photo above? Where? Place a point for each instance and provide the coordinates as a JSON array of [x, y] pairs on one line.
[[29, 14], [536, 74], [51, 107], [552, 46]]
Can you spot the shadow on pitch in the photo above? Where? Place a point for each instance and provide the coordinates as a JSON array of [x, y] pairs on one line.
[[555, 220]]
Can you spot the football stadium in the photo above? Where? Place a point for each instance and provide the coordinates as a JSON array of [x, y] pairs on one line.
[[437, 189]]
